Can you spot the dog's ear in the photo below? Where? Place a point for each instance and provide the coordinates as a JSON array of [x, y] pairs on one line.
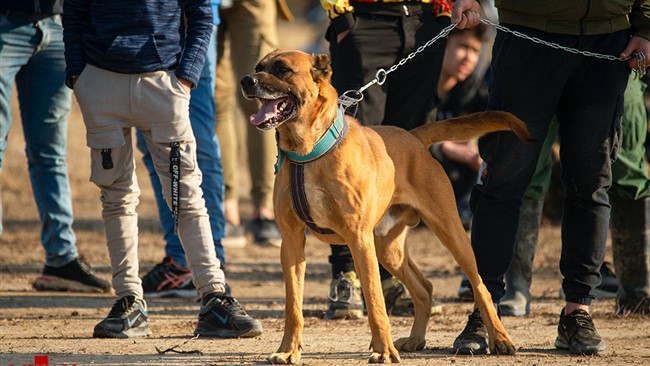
[[321, 68]]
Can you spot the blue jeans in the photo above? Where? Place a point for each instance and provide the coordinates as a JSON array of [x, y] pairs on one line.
[[31, 53], [209, 160]]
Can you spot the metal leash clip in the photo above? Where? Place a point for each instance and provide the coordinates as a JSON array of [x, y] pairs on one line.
[[349, 102], [640, 68]]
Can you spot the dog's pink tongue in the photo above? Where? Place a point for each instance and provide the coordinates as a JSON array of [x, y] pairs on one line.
[[268, 110]]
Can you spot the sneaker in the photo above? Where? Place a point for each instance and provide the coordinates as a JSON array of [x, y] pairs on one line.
[[168, 279], [127, 319], [345, 299], [221, 316], [234, 237], [74, 276], [577, 333], [465, 293], [266, 232], [473, 340], [399, 301]]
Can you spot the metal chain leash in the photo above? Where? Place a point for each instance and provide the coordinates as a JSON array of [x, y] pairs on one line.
[[351, 98]]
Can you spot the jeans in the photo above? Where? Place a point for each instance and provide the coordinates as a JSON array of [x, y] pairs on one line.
[[586, 94], [31, 53], [209, 159]]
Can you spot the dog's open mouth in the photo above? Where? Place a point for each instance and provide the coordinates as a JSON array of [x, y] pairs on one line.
[[273, 112]]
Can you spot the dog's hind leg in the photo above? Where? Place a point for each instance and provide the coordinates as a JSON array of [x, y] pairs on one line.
[[365, 264], [292, 256], [437, 209], [394, 257]]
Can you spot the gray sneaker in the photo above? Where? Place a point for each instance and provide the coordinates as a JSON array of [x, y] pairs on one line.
[[576, 332], [127, 319], [473, 340]]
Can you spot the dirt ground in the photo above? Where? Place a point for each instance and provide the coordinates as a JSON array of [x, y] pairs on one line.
[[59, 325]]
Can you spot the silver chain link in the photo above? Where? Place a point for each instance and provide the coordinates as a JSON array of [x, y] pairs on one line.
[[353, 97], [555, 45]]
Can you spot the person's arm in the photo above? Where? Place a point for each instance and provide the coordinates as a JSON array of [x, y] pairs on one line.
[[640, 31], [197, 38], [76, 19]]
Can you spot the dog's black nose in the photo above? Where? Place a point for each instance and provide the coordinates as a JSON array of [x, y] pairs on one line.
[[248, 81]]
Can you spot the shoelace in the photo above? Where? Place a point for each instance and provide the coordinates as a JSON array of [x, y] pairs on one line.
[[582, 321], [346, 294], [474, 323], [120, 307], [231, 305]]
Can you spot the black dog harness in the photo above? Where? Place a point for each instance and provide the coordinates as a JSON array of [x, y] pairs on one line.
[[331, 139]]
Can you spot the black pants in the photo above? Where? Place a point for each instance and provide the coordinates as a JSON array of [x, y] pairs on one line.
[[534, 82], [378, 40]]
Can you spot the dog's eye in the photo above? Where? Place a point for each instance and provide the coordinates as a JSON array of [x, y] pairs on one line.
[[283, 70]]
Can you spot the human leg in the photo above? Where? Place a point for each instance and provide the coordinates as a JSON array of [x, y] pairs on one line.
[[516, 301], [630, 200], [254, 35], [171, 278], [32, 54], [509, 164]]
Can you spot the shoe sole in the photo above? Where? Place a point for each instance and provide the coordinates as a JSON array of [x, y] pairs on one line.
[[142, 331], [53, 283], [563, 345]]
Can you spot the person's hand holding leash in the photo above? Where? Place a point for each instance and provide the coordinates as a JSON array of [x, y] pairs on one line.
[[638, 49], [466, 13]]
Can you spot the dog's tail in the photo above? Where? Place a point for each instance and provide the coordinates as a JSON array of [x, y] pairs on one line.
[[471, 126]]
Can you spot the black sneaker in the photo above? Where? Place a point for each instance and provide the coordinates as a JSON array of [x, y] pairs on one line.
[[577, 333], [266, 232], [168, 279], [127, 319], [74, 276], [473, 340], [221, 316]]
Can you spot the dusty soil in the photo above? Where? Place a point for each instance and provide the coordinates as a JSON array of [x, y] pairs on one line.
[[60, 325]]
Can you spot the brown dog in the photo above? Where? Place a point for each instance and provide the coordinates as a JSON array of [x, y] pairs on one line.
[[366, 190]]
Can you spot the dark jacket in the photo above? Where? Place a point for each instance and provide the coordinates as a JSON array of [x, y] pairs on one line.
[[137, 36], [45, 7], [578, 17]]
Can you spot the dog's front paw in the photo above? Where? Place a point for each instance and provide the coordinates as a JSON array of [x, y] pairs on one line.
[[284, 358], [386, 357], [503, 347], [410, 344]]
